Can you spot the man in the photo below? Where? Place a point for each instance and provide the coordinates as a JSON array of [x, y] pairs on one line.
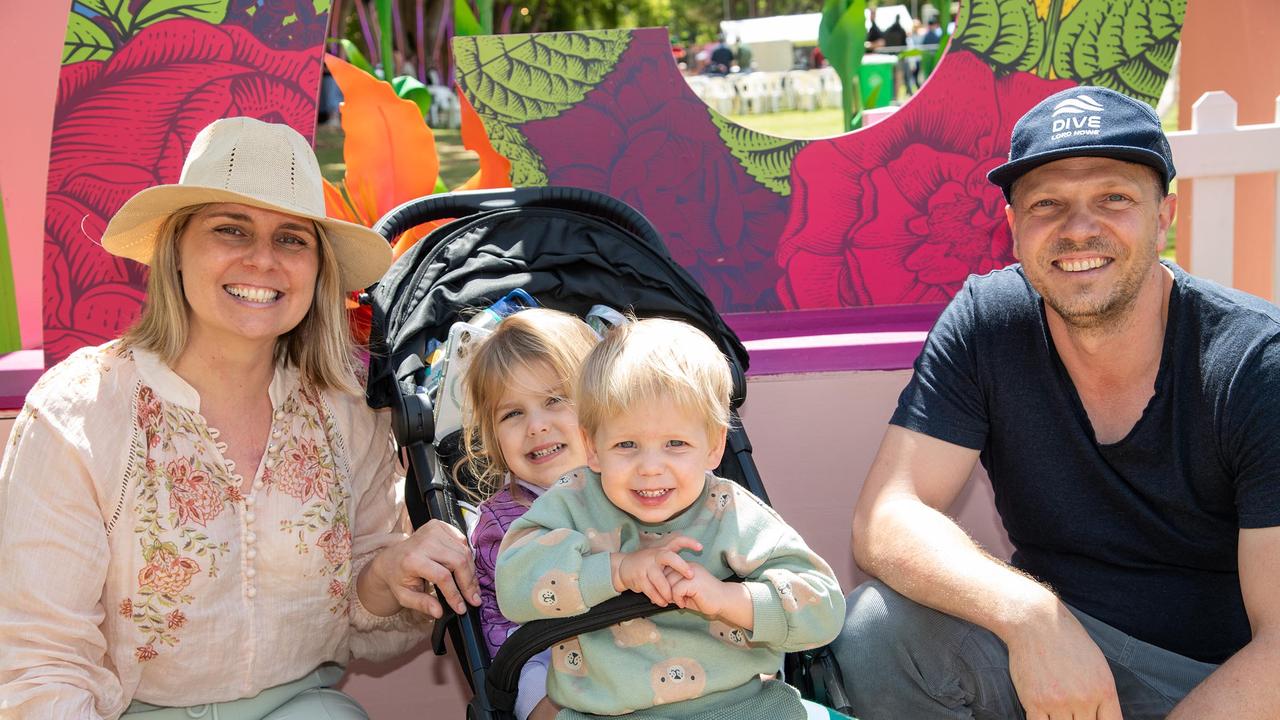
[[1128, 415], [933, 35]]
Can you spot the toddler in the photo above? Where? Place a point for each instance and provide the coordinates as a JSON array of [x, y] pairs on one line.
[[520, 435], [648, 516]]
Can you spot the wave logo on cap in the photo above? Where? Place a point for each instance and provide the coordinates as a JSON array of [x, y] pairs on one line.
[[1079, 116]]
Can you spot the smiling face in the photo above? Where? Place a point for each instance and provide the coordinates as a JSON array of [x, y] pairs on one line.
[[654, 458], [248, 275], [1088, 231], [536, 427]]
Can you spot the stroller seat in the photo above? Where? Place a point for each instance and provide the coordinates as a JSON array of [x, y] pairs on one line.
[[570, 249]]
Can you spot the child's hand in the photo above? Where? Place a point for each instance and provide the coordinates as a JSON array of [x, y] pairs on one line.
[[707, 595], [645, 571]]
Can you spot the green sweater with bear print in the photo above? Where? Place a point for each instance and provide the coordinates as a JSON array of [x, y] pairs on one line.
[[554, 562]]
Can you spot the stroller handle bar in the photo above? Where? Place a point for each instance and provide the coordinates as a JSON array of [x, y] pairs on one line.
[[465, 203]]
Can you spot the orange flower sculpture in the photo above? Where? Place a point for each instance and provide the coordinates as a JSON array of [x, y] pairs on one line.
[[390, 154]]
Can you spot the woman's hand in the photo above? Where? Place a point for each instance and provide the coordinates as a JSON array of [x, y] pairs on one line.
[[403, 574]]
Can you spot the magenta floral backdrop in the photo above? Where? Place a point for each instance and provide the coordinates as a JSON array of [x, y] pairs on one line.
[[896, 213], [139, 79]]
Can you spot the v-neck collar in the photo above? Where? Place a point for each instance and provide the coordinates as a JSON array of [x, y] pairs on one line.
[[1068, 385]]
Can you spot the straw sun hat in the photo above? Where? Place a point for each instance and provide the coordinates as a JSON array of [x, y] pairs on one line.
[[250, 162]]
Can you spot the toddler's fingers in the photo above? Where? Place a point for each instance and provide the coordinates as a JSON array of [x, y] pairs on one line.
[[682, 542], [673, 561]]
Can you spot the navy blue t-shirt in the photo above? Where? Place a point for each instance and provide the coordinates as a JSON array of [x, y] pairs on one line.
[[1141, 534]]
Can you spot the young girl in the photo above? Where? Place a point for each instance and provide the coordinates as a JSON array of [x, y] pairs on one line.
[[521, 435]]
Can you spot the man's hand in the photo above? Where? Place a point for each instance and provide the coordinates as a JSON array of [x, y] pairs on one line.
[[1058, 671], [644, 571]]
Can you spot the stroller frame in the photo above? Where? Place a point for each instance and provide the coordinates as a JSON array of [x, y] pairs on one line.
[[430, 492]]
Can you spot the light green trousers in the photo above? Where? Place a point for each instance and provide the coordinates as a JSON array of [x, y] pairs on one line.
[[306, 698]]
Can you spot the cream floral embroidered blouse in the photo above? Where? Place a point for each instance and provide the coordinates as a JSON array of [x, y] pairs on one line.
[[134, 568]]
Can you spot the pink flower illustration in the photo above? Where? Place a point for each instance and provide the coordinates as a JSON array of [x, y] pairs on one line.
[[336, 544], [166, 572], [193, 493], [124, 124], [654, 146], [303, 473], [902, 212]]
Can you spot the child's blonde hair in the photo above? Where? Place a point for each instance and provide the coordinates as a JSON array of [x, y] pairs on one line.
[[556, 340], [654, 359]]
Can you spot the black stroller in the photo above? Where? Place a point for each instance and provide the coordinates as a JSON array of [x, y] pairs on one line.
[[570, 249]]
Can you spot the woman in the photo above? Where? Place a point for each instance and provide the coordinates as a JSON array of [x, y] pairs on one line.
[[204, 511]]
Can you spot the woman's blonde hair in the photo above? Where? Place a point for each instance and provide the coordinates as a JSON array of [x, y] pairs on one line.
[[552, 339], [654, 359], [320, 347]]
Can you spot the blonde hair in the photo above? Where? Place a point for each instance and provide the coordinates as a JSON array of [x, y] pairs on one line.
[[655, 359], [558, 341], [320, 347]]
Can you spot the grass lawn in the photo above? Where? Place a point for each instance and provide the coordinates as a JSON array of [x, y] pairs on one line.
[[795, 123], [457, 164]]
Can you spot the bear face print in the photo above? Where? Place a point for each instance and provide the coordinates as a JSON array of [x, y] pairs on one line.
[[720, 499], [677, 679], [795, 593], [728, 634], [567, 658], [634, 633], [556, 594], [573, 480], [653, 538], [604, 541]]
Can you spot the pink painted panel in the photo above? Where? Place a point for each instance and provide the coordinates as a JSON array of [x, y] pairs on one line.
[[29, 60], [124, 119]]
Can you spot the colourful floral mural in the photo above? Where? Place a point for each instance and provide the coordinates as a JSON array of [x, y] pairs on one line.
[[899, 212], [138, 81]]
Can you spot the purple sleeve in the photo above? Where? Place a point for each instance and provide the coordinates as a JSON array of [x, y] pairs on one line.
[[496, 515]]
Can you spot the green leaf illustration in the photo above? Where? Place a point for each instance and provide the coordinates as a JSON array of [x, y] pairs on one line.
[[532, 77], [765, 157], [1125, 45], [128, 18], [1005, 33], [211, 11], [116, 11], [527, 168], [85, 41], [513, 79]]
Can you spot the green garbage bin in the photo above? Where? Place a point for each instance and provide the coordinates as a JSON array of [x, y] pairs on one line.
[[875, 77]]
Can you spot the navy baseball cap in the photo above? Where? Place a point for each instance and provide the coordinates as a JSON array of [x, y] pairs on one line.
[[1085, 121]]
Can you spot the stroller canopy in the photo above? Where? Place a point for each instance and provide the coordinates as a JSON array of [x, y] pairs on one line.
[[569, 248]]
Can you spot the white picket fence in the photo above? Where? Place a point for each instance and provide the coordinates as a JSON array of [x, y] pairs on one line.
[[1213, 152]]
